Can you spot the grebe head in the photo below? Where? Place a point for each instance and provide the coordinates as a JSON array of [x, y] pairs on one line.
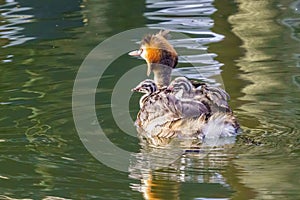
[[147, 87], [160, 56], [180, 86]]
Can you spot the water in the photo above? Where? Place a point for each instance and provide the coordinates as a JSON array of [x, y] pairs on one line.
[[251, 48]]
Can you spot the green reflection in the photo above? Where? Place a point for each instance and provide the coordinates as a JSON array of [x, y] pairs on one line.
[[266, 98], [36, 120], [41, 154]]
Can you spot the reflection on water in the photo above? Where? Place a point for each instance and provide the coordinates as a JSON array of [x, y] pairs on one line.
[[269, 64], [270, 67], [293, 20], [253, 46], [11, 17], [183, 173]]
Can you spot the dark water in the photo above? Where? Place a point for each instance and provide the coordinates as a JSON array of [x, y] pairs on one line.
[[252, 48]]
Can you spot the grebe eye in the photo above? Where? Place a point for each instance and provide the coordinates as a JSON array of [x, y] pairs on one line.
[[141, 50]]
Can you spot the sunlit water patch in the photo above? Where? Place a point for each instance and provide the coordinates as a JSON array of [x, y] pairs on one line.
[[12, 18]]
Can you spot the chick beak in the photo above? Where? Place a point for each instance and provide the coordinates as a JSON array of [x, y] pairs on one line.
[[135, 53], [170, 88], [136, 89]]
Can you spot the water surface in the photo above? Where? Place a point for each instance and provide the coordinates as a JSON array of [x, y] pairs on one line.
[[251, 48]]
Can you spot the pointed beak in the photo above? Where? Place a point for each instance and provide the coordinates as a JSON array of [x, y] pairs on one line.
[[170, 88], [135, 89], [135, 53]]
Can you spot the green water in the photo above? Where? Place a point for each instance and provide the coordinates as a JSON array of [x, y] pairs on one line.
[[258, 61]]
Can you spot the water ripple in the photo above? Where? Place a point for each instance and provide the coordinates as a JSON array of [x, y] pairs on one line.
[[180, 8], [293, 24], [9, 28], [170, 168]]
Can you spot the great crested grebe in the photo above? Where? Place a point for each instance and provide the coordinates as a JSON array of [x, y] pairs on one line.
[[178, 109]]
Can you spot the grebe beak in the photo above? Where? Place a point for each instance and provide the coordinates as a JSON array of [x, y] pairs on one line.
[[170, 88], [135, 53]]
